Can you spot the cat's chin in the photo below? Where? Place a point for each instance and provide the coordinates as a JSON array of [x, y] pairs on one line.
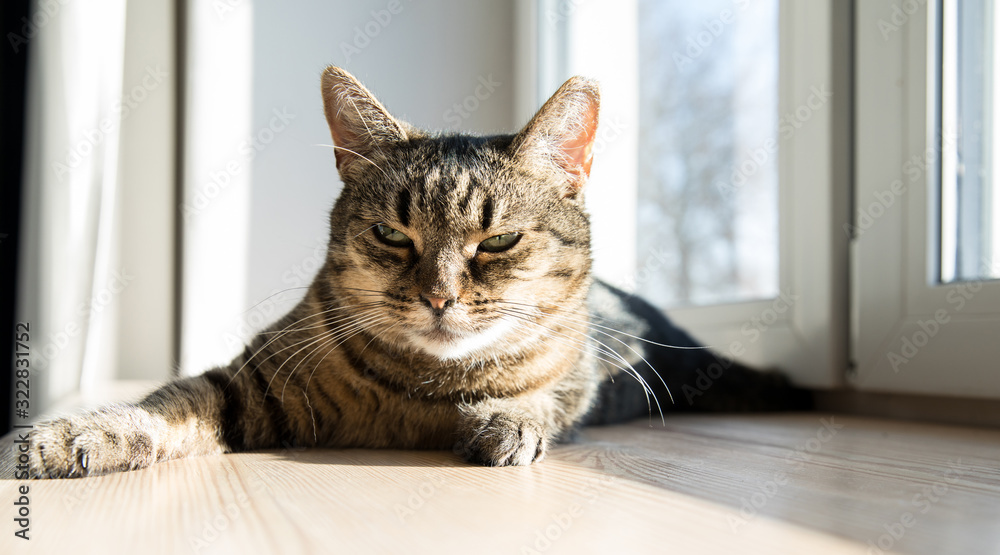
[[451, 345]]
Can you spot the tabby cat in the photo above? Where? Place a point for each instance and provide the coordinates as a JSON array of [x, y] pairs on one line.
[[455, 310]]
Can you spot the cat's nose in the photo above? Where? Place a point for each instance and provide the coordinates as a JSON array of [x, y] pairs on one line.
[[438, 303]]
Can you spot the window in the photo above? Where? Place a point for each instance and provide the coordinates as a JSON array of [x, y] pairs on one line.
[[707, 218], [721, 177], [925, 313], [969, 199]]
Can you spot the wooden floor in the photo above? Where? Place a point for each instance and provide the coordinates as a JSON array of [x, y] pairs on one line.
[[804, 483]]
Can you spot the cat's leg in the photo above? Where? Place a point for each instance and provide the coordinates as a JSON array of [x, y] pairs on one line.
[[508, 431], [207, 414]]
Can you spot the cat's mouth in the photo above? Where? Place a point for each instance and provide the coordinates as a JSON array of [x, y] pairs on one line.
[[448, 343], [442, 334]]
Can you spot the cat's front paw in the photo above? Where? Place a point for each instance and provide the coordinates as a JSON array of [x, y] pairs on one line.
[[86, 445], [503, 439]]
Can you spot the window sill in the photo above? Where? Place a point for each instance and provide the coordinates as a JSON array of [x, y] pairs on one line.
[[813, 483]]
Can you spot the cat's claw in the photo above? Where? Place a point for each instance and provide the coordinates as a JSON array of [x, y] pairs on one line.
[[53, 452], [504, 440], [83, 446]]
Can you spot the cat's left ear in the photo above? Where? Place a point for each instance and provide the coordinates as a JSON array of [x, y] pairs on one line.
[[358, 121], [560, 137]]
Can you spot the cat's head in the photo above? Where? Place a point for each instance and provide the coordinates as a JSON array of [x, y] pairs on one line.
[[456, 245]]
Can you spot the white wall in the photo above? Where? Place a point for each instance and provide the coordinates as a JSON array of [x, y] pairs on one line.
[[265, 232], [420, 62]]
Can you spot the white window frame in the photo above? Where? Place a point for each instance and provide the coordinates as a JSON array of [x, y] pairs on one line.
[[147, 185], [806, 331], [952, 328]]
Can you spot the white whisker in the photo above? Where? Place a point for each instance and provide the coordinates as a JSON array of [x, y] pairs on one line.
[[290, 328], [628, 368], [359, 325], [590, 325]]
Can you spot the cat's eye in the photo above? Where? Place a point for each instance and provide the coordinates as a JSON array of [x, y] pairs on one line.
[[392, 237], [500, 243]]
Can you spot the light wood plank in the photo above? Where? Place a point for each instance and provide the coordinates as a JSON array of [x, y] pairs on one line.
[[623, 489]]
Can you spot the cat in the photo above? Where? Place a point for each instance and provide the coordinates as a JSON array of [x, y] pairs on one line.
[[455, 310]]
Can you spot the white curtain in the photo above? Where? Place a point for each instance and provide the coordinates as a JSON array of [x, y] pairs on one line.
[[67, 269]]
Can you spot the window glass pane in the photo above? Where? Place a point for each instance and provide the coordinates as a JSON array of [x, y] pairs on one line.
[[970, 203], [708, 173]]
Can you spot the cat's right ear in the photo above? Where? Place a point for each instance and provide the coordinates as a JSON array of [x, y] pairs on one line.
[[559, 140], [358, 122]]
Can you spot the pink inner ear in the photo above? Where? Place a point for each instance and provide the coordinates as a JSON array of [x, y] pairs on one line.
[[338, 141], [578, 145], [344, 141]]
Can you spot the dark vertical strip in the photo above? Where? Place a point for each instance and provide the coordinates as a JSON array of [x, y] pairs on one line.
[[14, 56], [403, 207], [487, 213], [939, 142], [180, 80], [847, 142], [232, 412]]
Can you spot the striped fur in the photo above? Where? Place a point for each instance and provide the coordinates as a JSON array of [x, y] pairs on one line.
[[437, 343]]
